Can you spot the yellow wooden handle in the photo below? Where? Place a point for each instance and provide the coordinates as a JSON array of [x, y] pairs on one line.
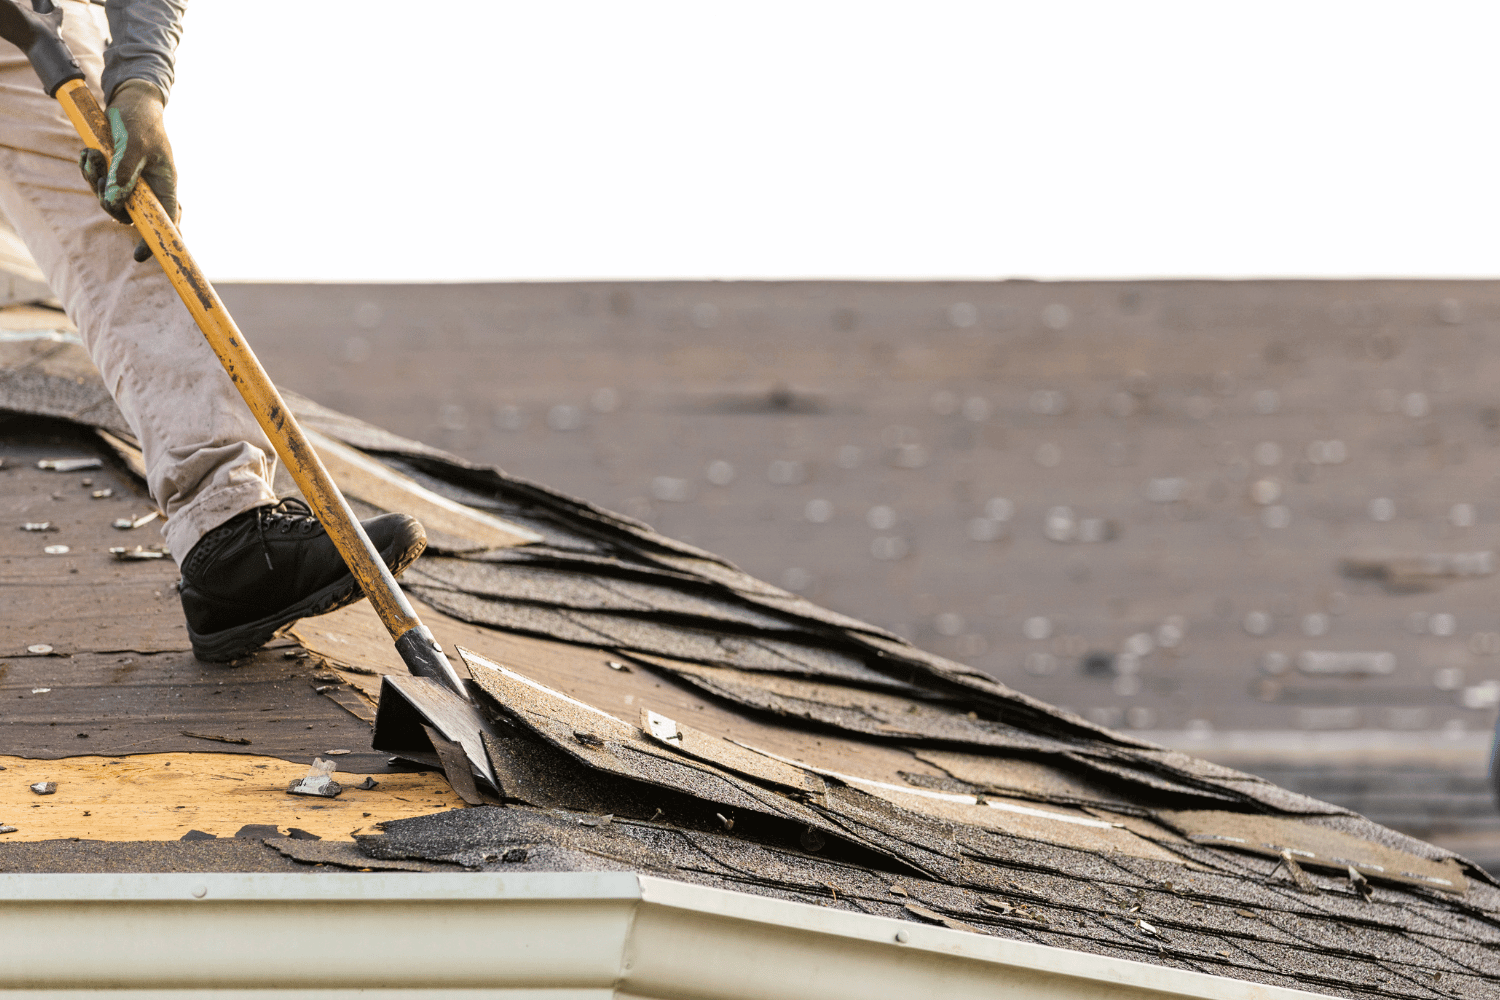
[[249, 377]]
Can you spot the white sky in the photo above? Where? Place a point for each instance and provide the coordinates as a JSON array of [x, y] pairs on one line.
[[386, 141]]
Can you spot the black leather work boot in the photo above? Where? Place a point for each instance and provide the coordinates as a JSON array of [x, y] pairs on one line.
[[265, 568]]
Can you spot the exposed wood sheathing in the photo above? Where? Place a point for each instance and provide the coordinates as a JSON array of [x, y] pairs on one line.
[[164, 796], [659, 710]]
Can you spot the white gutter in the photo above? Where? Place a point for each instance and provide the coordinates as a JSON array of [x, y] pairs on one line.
[[528, 936]]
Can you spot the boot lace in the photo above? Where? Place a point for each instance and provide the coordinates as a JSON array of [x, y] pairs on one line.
[[285, 515]]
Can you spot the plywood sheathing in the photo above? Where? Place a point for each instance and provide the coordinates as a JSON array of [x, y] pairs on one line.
[[163, 796]]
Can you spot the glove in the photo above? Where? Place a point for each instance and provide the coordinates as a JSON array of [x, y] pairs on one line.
[[141, 152]]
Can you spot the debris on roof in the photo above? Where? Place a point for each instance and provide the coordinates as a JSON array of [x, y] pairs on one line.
[[663, 712]]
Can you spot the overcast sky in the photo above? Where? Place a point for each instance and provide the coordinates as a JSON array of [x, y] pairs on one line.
[[491, 140]]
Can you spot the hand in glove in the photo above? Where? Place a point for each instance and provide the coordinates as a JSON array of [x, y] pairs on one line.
[[141, 152]]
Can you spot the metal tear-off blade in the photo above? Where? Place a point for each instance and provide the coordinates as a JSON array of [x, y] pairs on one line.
[[408, 704]]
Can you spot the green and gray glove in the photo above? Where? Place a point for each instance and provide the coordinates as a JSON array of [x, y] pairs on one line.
[[141, 152]]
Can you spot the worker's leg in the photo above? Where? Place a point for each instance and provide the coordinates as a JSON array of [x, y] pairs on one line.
[[250, 566], [206, 458]]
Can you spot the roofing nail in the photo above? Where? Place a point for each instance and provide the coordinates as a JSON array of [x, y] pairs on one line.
[[137, 554], [69, 464], [317, 782]]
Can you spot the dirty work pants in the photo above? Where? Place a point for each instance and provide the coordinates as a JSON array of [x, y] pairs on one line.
[[206, 458]]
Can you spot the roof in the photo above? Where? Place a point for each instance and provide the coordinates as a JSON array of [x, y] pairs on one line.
[[859, 443], [663, 713]]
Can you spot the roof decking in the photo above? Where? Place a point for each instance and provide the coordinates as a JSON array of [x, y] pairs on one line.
[[669, 714]]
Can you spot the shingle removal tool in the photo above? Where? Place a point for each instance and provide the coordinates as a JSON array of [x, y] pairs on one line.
[[435, 697]]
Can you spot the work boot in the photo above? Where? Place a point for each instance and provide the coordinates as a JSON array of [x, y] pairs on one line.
[[267, 567]]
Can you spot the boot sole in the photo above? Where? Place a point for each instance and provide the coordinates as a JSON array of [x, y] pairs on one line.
[[242, 640]]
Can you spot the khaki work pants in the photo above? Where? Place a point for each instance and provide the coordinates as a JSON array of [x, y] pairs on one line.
[[206, 458]]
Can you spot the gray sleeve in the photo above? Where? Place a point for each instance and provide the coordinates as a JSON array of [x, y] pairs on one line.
[[143, 42]]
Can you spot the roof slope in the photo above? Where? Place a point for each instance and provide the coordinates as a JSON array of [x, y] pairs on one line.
[[664, 712]]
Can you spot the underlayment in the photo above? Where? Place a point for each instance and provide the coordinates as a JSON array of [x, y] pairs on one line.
[[58, 600], [130, 703], [656, 709]]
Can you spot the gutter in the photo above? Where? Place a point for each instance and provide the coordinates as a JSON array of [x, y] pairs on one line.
[[532, 935]]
